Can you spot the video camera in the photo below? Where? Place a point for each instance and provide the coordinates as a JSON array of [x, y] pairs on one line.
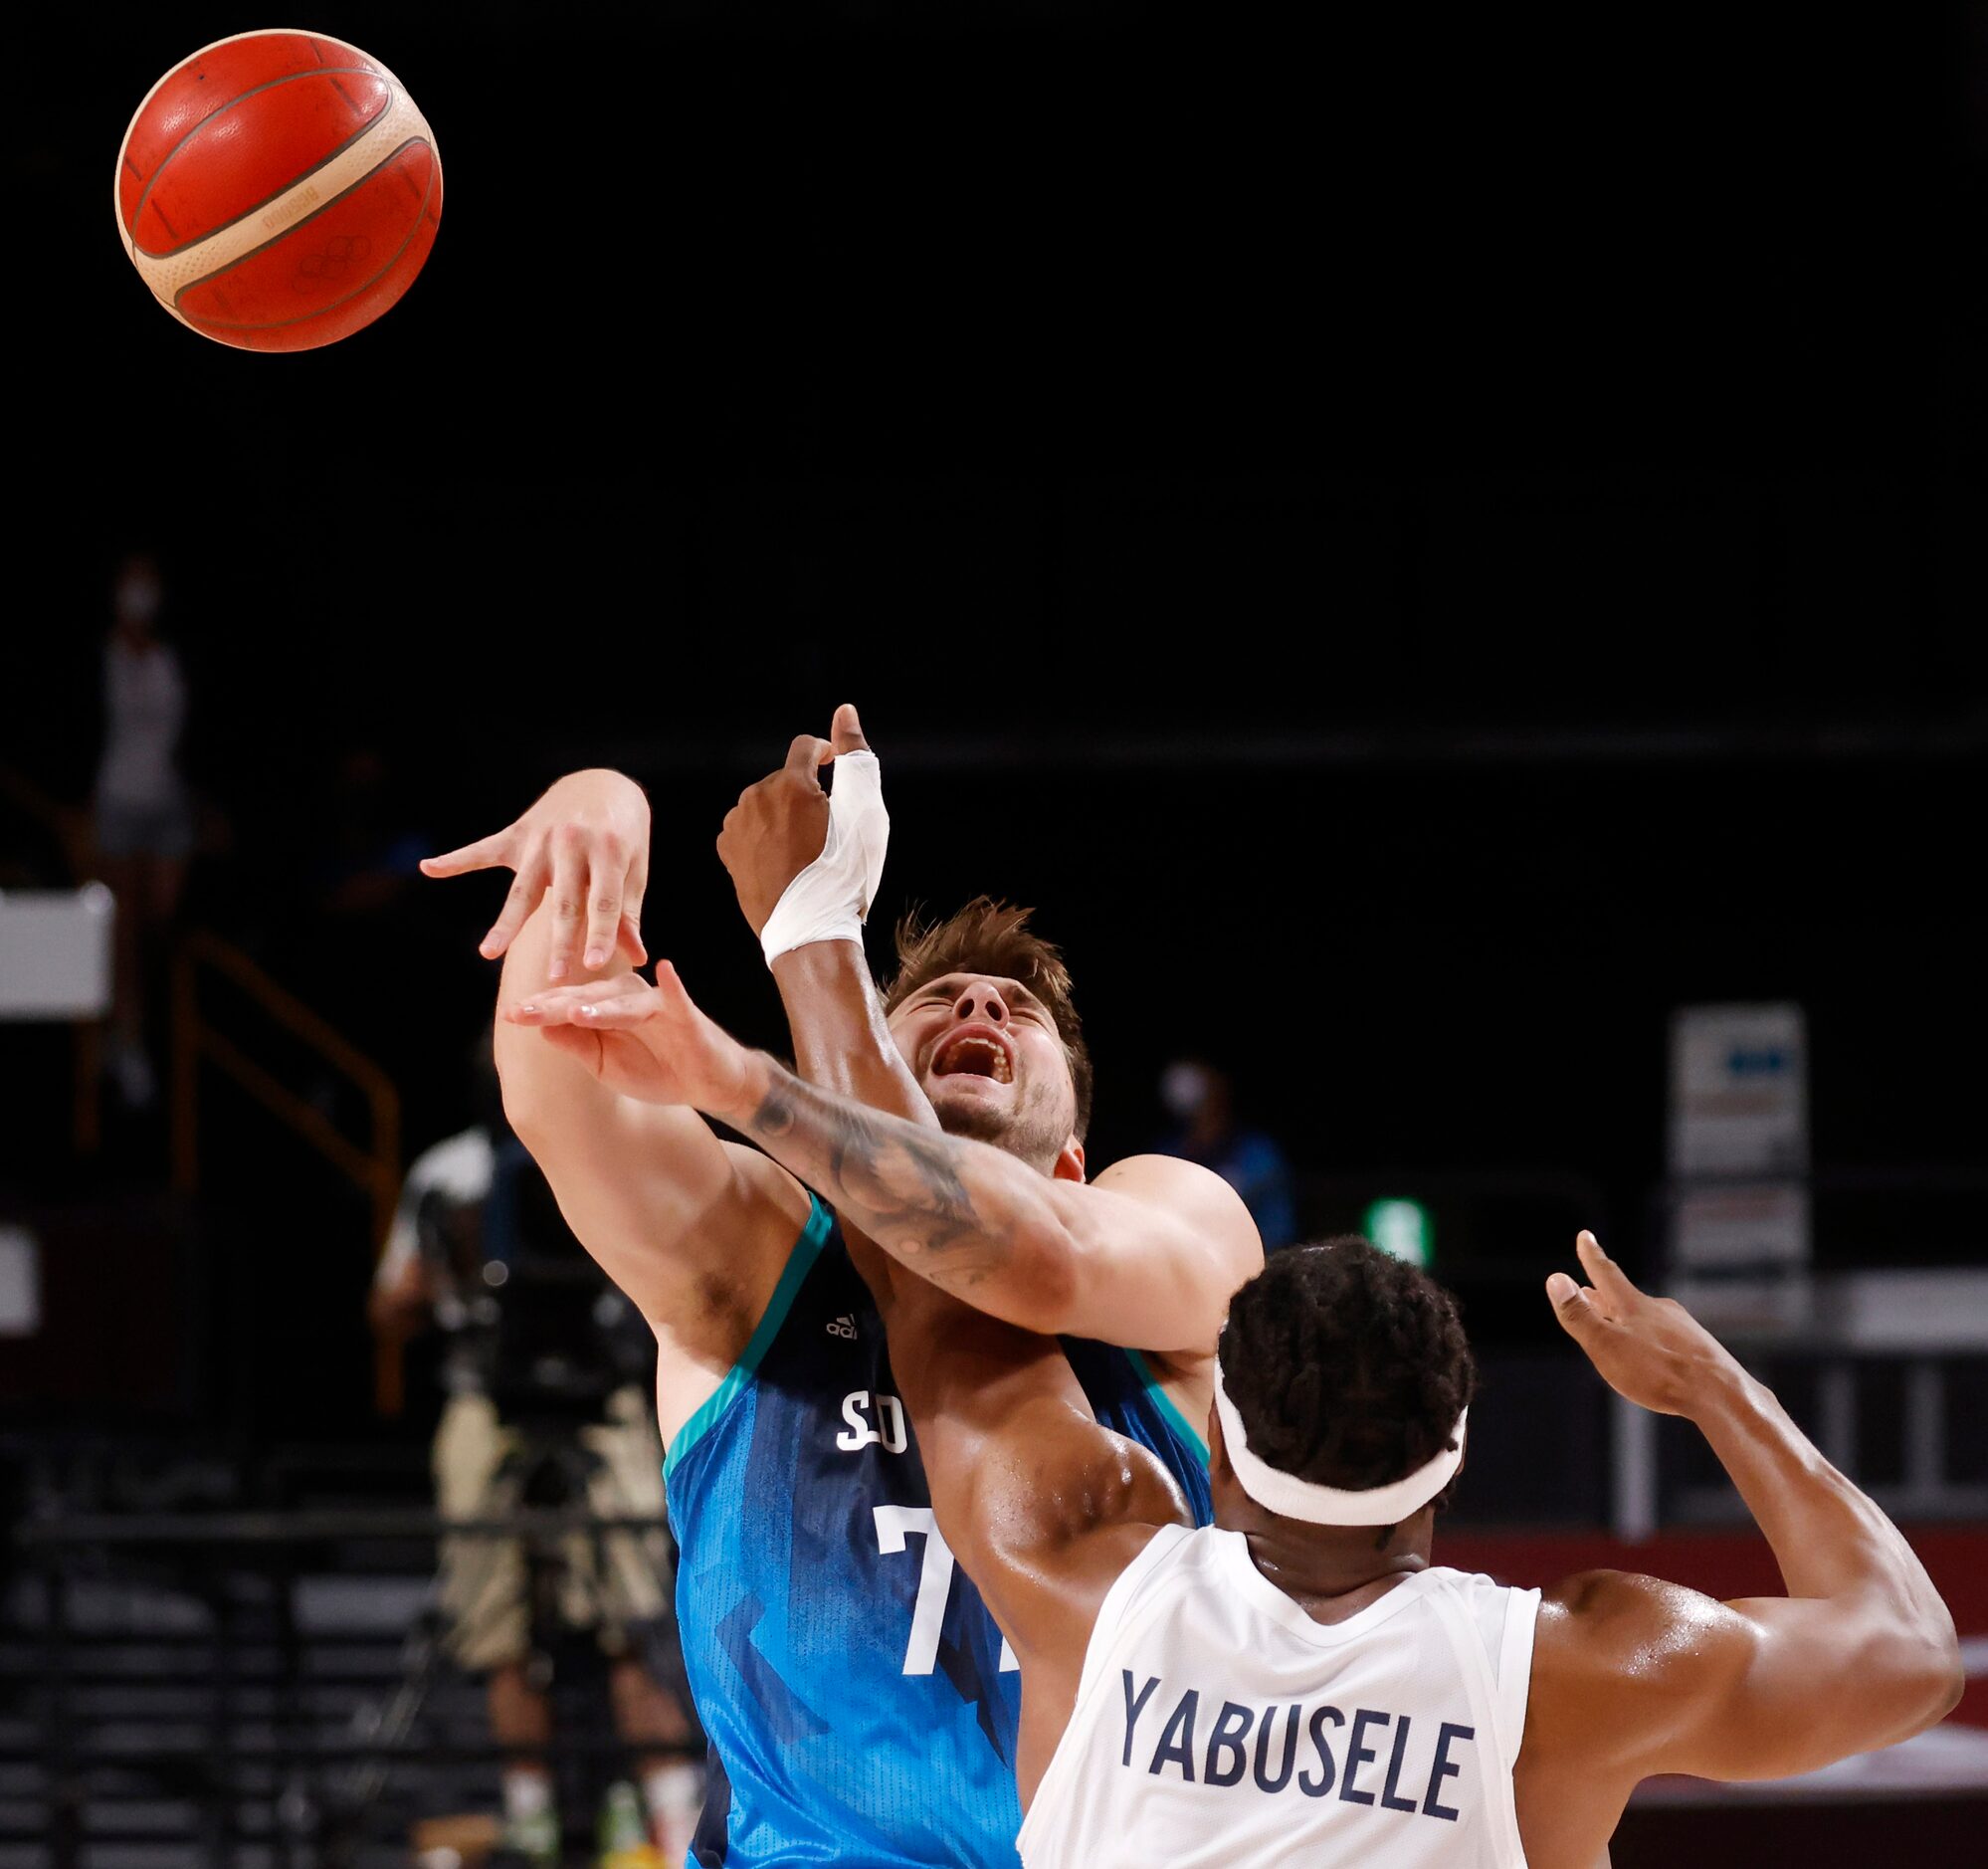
[[548, 1337]]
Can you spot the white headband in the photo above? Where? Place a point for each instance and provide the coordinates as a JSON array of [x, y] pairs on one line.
[[1292, 1498], [827, 900]]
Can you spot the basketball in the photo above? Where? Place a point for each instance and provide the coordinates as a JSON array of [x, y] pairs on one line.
[[277, 190]]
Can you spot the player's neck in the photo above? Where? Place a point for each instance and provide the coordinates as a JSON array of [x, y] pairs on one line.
[[1330, 1572]]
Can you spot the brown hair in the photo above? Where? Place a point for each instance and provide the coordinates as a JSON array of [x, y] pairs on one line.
[[989, 937]]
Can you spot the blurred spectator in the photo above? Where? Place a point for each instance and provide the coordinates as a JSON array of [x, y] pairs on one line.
[[143, 812], [372, 856], [1202, 1103], [539, 1411], [364, 930]]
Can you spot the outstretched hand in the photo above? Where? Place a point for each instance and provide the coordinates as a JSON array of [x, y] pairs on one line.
[[1650, 1351], [780, 823], [587, 841], [651, 1043]]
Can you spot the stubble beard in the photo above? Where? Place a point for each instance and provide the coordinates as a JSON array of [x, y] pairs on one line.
[[1024, 1133]]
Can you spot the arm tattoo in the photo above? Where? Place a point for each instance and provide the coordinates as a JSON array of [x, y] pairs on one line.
[[910, 1187]]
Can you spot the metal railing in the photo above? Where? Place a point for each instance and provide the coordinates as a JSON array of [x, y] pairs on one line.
[[247, 1724], [372, 1165]]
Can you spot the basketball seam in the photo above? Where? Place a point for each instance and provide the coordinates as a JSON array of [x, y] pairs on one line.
[[197, 319], [172, 275], [168, 252]]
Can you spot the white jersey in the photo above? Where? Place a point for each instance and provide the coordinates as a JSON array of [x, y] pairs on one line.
[[1218, 1724]]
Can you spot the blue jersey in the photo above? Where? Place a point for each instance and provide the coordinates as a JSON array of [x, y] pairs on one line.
[[861, 1703]]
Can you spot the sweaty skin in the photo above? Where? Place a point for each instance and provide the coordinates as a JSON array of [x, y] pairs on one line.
[[1144, 1257], [695, 1230], [1631, 1676], [1043, 1508]]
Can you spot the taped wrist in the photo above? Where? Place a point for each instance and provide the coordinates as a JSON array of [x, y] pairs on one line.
[[830, 897]]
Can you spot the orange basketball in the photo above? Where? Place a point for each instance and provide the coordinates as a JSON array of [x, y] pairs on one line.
[[277, 190]]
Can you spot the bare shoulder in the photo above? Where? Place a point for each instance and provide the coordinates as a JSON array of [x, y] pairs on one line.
[[1194, 1195], [1174, 1242], [1620, 1660], [1595, 1615], [1602, 1698], [1164, 1177]]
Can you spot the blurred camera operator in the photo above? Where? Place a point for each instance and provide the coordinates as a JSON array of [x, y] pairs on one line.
[[1201, 1101], [546, 1406]]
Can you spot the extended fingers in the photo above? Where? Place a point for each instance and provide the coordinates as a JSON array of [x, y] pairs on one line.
[[525, 889], [569, 897], [613, 1004], [633, 889], [846, 731], [615, 1015], [668, 994], [597, 885], [1609, 1277], [807, 753], [607, 878], [1573, 1305], [487, 853]]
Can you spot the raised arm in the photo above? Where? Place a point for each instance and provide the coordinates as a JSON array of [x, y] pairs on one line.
[[1041, 1505], [1146, 1256], [1045, 1255], [1632, 1676], [693, 1229], [778, 828]]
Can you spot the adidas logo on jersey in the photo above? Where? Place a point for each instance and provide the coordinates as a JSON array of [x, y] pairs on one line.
[[843, 1326]]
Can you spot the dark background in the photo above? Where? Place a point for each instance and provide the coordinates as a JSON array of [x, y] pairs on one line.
[[1421, 546]]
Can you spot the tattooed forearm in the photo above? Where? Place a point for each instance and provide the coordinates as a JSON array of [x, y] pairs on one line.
[[917, 1192]]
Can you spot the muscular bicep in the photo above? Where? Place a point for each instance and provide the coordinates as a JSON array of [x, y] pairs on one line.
[[1160, 1247], [1642, 1677], [1808, 1682]]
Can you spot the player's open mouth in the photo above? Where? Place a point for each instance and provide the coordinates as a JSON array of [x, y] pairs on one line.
[[975, 1053]]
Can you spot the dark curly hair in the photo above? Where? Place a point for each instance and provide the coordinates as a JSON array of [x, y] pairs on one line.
[[1347, 1368]]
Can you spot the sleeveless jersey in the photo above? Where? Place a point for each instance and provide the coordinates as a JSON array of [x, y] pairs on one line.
[[1215, 1723], [860, 1701]]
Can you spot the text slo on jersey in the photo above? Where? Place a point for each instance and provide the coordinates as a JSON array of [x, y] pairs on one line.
[[873, 1421]]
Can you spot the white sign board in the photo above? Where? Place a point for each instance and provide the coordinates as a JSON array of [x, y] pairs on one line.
[[20, 1282], [1731, 1230], [1739, 1092], [1739, 1255], [54, 952]]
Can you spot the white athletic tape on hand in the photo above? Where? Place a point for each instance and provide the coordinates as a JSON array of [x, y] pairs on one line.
[[830, 898], [1292, 1498]]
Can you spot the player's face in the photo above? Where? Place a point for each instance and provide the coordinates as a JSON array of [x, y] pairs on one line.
[[987, 1054]]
